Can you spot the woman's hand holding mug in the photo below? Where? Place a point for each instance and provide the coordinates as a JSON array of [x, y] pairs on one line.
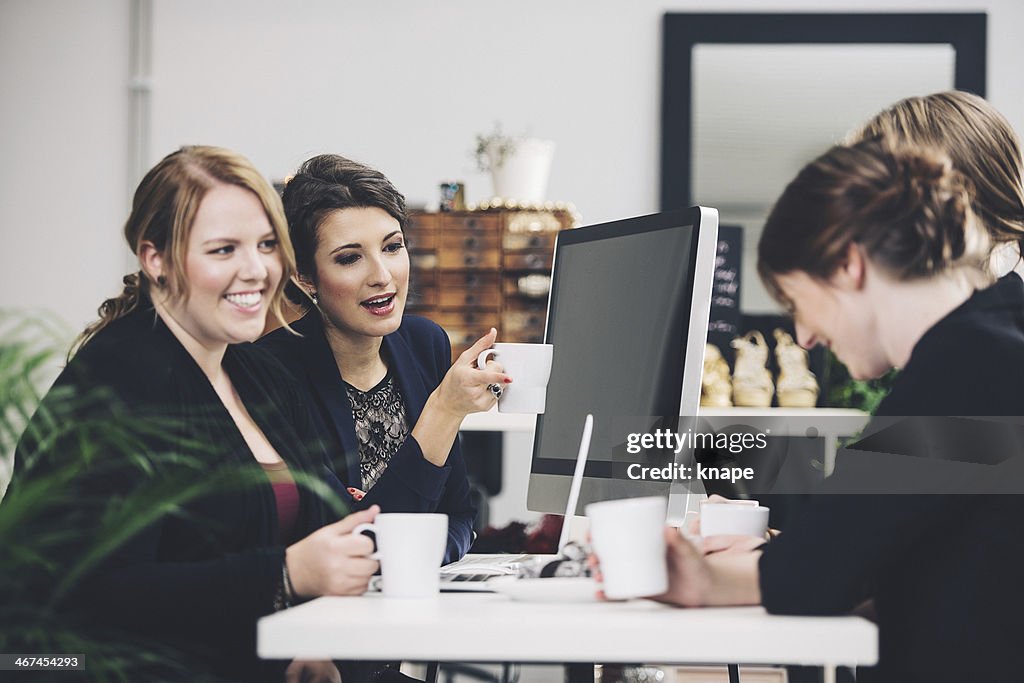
[[718, 543], [466, 388], [332, 560]]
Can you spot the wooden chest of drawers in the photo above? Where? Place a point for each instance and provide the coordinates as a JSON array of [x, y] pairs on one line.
[[473, 270]]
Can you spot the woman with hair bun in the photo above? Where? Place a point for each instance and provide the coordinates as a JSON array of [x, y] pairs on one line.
[[878, 255], [172, 356]]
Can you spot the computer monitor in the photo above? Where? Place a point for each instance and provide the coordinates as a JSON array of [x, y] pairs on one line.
[[628, 317]]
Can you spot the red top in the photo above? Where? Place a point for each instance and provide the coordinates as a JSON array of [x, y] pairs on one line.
[[286, 495]]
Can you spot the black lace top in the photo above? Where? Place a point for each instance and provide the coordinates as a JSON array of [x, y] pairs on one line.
[[381, 427]]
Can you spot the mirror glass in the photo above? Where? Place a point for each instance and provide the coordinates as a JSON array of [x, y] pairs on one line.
[[760, 112]]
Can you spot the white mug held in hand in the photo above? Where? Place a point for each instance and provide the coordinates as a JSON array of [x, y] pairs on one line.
[[735, 518], [529, 366], [629, 540], [410, 547]]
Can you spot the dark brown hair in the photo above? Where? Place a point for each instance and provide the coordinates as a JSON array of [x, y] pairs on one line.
[[907, 208], [328, 183], [163, 211], [981, 143]]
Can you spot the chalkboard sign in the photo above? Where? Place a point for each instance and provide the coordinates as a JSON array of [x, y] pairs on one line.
[[724, 323]]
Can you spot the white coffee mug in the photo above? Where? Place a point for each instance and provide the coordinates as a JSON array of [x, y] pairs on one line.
[[410, 547], [529, 366], [739, 518], [628, 538]]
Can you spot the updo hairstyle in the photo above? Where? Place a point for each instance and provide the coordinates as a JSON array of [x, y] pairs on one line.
[[908, 208]]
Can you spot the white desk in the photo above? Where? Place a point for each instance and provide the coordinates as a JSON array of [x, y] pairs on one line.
[[481, 627]]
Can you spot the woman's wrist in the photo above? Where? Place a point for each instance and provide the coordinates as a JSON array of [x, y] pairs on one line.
[[443, 408], [284, 594], [289, 589], [734, 579], [436, 429], [439, 415]]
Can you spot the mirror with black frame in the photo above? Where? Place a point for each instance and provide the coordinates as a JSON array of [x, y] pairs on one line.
[[748, 99]]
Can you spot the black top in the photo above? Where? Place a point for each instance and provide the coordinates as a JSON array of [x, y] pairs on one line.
[[381, 427], [944, 570], [418, 354], [196, 581]]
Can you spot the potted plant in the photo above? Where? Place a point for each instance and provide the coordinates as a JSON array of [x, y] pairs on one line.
[[846, 392], [519, 166]]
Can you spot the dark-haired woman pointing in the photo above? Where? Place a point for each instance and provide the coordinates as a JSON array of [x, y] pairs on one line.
[[382, 382]]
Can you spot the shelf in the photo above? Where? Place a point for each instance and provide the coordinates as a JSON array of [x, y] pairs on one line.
[[783, 412], [493, 421]]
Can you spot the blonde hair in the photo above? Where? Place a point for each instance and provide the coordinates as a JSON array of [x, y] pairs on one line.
[[981, 144], [163, 211]]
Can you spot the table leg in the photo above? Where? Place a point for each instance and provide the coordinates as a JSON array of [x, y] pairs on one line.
[[734, 673], [579, 673], [829, 674]]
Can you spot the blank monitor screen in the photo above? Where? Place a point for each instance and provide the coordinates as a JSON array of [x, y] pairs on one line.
[[627, 315]]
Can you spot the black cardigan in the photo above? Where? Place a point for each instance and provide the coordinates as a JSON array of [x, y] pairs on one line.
[[419, 355], [197, 581], [944, 570]]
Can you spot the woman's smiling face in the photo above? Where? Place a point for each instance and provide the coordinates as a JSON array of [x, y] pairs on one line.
[[232, 267], [362, 271], [838, 318]]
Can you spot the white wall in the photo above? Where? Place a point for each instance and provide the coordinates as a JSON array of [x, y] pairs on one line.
[[403, 85], [63, 116]]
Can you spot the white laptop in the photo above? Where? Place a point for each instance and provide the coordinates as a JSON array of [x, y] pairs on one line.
[[470, 574]]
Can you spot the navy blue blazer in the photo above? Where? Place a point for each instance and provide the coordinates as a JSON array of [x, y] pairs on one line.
[[419, 355]]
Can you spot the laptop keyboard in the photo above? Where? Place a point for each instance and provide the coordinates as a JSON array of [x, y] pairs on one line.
[[488, 565], [466, 578]]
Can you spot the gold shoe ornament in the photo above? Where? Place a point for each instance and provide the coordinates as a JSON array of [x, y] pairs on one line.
[[715, 387], [751, 381], [797, 386]]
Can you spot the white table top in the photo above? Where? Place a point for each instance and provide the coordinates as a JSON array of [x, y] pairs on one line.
[[483, 627]]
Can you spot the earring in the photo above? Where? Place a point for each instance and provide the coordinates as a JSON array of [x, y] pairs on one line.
[[312, 297], [161, 281]]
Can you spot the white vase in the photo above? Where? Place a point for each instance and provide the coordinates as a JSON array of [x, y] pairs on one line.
[[523, 173]]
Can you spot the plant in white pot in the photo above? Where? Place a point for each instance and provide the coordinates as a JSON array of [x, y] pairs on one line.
[[519, 166]]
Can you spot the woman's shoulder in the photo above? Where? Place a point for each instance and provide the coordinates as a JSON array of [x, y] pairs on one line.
[[284, 340], [425, 339], [291, 346], [260, 363], [136, 349], [986, 330], [416, 326], [968, 364]]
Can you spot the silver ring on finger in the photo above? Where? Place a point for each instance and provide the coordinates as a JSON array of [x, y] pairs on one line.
[[495, 390]]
